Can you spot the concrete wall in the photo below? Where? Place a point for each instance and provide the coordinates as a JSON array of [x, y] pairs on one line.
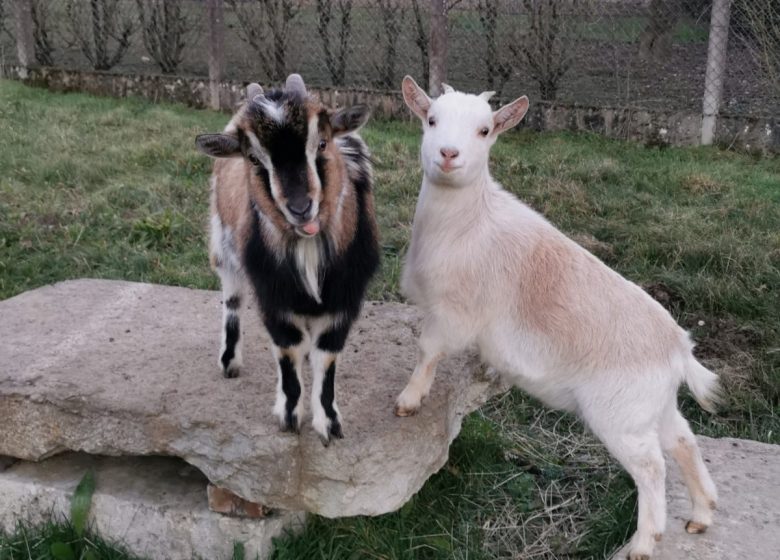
[[653, 128]]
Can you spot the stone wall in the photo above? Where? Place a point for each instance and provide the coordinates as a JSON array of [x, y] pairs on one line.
[[654, 128]]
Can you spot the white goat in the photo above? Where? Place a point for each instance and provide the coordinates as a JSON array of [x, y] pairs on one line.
[[489, 271]]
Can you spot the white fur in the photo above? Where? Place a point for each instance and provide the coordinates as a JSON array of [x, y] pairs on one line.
[[270, 108], [489, 271], [308, 256]]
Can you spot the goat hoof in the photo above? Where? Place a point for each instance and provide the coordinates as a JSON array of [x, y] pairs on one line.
[[694, 528], [404, 412], [290, 424], [231, 372], [325, 440], [335, 430]]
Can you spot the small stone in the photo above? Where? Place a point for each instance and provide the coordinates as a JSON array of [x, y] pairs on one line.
[[225, 501]]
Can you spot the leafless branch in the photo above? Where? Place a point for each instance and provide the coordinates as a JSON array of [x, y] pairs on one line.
[[164, 27], [421, 38], [547, 46], [102, 31], [335, 61], [392, 14], [44, 47], [762, 36], [498, 69], [265, 25]]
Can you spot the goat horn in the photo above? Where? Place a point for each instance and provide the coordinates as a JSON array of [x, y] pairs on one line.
[[447, 88], [253, 90], [295, 83], [486, 95]]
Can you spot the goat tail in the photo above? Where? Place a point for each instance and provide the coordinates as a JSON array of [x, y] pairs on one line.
[[704, 385]]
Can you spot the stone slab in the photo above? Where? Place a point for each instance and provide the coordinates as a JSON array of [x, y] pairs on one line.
[[155, 507], [747, 522], [121, 368]]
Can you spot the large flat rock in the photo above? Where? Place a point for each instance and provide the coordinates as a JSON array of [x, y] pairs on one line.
[[155, 507], [121, 368], [747, 523]]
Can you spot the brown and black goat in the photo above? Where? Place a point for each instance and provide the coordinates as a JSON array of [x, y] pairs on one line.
[[292, 218]]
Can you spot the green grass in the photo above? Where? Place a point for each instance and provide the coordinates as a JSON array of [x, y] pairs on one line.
[[115, 189], [630, 29]]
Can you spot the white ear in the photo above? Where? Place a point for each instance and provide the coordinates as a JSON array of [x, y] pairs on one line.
[[509, 115], [447, 88], [415, 98], [295, 83], [486, 95], [253, 90]]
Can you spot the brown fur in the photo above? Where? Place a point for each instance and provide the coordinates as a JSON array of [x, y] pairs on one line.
[[605, 323]]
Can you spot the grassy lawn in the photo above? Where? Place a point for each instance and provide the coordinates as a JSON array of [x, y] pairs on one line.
[[104, 188]]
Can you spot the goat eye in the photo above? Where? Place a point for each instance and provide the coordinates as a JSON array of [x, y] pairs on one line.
[[323, 144], [484, 132], [431, 121], [253, 159]]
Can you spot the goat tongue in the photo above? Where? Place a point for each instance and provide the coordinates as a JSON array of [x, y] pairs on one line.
[[312, 227]]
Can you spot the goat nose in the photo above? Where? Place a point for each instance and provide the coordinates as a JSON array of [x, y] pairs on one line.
[[299, 208], [449, 153]]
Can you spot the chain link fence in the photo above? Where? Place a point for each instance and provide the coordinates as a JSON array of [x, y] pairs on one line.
[[644, 54]]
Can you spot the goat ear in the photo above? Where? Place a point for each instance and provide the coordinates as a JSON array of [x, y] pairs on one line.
[[349, 119], [509, 115], [253, 90], [218, 145], [415, 98]]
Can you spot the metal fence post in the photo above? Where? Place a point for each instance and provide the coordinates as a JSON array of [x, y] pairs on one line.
[[716, 68], [439, 40], [25, 40], [215, 16]]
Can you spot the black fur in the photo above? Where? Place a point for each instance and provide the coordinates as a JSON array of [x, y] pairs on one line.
[[328, 391], [282, 332], [344, 276], [292, 391], [333, 340], [232, 333], [321, 171], [233, 302]]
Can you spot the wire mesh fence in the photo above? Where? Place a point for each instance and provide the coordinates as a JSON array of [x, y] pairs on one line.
[[648, 54]]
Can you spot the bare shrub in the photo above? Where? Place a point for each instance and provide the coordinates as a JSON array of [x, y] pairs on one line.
[[547, 46], [335, 60], [102, 30], [5, 26], [656, 39], [392, 14], [164, 26], [265, 25], [759, 31], [421, 40], [497, 67], [42, 34]]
